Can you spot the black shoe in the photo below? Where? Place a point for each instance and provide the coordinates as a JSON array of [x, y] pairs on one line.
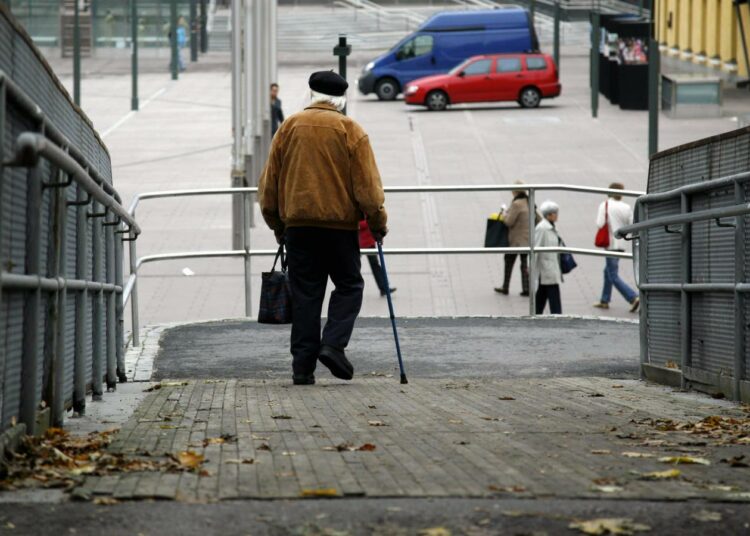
[[382, 292], [304, 379], [501, 290], [336, 361], [525, 293]]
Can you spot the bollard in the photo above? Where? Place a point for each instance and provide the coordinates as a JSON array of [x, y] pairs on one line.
[[595, 37], [134, 53], [342, 50]]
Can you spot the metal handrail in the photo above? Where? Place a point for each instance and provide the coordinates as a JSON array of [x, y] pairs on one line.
[[130, 292]]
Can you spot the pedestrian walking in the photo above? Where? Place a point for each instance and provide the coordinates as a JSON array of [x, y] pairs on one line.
[[548, 264], [319, 179], [181, 41], [613, 214], [277, 114], [517, 220], [367, 241]]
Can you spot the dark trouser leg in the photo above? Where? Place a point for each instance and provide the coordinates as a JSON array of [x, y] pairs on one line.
[[343, 264], [308, 278], [555, 303], [510, 260], [377, 272], [525, 273], [541, 298]]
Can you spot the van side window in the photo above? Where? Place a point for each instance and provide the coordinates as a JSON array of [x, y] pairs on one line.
[[508, 65], [478, 67], [536, 63], [419, 46]]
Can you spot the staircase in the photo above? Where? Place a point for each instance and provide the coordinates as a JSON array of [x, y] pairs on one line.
[[67, 27]]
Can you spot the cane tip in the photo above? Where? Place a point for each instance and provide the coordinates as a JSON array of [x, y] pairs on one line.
[[403, 379]]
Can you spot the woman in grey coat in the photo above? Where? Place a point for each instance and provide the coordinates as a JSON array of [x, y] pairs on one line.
[[548, 264]]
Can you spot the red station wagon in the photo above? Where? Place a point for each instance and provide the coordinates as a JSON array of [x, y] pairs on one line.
[[524, 78]]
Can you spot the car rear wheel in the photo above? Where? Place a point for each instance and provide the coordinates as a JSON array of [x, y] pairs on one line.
[[436, 100], [530, 97], [386, 89]]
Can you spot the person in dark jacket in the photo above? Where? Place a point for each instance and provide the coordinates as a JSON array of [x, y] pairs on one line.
[[367, 241], [277, 114]]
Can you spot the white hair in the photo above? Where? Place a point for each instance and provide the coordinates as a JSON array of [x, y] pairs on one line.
[[549, 207], [338, 102]]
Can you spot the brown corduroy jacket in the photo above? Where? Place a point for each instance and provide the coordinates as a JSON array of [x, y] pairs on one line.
[[321, 172]]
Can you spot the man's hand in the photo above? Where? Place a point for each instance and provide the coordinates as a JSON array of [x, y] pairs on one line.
[[279, 236], [379, 234]]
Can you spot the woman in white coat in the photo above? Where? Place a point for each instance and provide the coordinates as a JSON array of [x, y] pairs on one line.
[[548, 264]]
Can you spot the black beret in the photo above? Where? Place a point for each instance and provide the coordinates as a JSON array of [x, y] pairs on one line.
[[328, 83]]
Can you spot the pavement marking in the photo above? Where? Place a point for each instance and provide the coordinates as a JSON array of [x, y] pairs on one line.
[[441, 286], [540, 120], [131, 113]]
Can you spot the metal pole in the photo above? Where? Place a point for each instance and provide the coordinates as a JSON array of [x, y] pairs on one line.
[[256, 77], [76, 53], [97, 372], [740, 325], [174, 64], [640, 8], [532, 267], [32, 310], [685, 298], [204, 27], [595, 38], [247, 206], [119, 310], [532, 11], [342, 50], [133, 262], [57, 410], [238, 157], [653, 97], [82, 302], [642, 280], [556, 36], [134, 53], [193, 30], [111, 331]]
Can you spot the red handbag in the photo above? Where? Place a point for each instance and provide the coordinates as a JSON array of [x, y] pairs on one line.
[[602, 235]]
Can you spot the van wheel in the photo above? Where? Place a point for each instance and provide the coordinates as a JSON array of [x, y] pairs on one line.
[[530, 97], [436, 100], [386, 89]]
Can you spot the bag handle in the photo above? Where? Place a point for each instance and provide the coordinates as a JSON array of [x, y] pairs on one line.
[[280, 253], [606, 213]]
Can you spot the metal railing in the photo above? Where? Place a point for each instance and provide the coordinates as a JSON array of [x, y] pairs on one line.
[[47, 151], [130, 292], [681, 224]]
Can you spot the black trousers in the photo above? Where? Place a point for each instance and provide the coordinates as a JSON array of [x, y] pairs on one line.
[[510, 260], [377, 272], [549, 293], [315, 254]]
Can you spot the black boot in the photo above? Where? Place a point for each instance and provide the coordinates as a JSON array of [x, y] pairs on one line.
[[336, 361], [304, 379]]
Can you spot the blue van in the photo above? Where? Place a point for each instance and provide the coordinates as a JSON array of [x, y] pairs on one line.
[[445, 40]]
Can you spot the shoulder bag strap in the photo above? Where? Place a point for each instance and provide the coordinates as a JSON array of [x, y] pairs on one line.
[[279, 253]]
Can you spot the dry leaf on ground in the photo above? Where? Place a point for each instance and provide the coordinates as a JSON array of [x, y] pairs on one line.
[[455, 421], [736, 461], [319, 492], [637, 454], [601, 451], [505, 398], [376, 423], [281, 417], [506, 489], [706, 516], [189, 459], [614, 525], [264, 446], [239, 461], [684, 460], [608, 489], [435, 531], [105, 501], [661, 475]]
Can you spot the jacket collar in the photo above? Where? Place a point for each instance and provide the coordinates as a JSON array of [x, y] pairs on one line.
[[323, 106]]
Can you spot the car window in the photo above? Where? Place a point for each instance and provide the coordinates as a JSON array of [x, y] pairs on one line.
[[419, 46], [508, 65], [536, 63], [478, 67]]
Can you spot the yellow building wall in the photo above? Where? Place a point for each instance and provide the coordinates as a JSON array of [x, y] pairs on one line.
[[728, 34], [712, 28], [697, 35], [673, 24], [740, 55], [662, 21], [684, 26]]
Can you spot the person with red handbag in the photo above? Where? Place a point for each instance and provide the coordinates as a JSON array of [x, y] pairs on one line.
[[613, 214]]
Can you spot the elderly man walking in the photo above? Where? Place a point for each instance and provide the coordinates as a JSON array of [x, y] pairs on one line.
[[320, 179]]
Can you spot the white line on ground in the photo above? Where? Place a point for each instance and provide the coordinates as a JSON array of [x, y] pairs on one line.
[[130, 114]]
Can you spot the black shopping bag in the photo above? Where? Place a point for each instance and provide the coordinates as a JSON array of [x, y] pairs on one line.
[[496, 235], [276, 294]]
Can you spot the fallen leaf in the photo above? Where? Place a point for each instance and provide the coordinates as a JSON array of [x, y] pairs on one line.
[[671, 364], [462, 442], [376, 423], [491, 418], [608, 489], [264, 446], [706, 516], [684, 460], [105, 501], [281, 417], [506, 489], [661, 475], [435, 531], [505, 398], [319, 492], [617, 386], [736, 461], [604, 481], [615, 525], [213, 441], [596, 395], [169, 427], [637, 454], [240, 461], [455, 421], [601, 451], [189, 459], [288, 453], [372, 407], [367, 447]]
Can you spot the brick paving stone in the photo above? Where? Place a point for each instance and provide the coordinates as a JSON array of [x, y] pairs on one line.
[[440, 438]]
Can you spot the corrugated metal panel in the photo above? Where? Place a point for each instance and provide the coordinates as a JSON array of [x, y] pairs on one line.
[[12, 305], [712, 246], [712, 334], [663, 325], [664, 249]]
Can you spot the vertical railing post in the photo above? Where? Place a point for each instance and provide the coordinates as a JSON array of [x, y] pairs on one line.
[[175, 51], [82, 302], [33, 306], [740, 325], [685, 297], [595, 38], [134, 54], [532, 264], [57, 409], [98, 307], [119, 310], [247, 206], [133, 261], [643, 279], [556, 36], [111, 330], [76, 53]]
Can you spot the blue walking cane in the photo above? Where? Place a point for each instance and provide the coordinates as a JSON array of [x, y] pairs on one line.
[[390, 309]]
